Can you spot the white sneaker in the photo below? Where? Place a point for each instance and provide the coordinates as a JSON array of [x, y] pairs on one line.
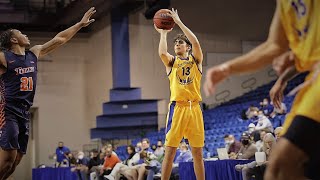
[[110, 177], [157, 175]]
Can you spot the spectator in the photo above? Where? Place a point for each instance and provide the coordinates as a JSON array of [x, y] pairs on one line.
[[184, 156], [259, 143], [149, 160], [81, 166], [61, 152], [160, 150], [110, 161], [139, 146], [251, 128], [265, 107], [124, 168], [95, 164], [95, 161], [71, 160], [263, 123], [250, 112], [153, 147], [111, 147], [277, 132], [145, 145], [232, 145], [248, 149], [253, 168]]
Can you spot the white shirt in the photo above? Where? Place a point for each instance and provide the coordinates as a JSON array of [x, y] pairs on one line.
[[264, 123]]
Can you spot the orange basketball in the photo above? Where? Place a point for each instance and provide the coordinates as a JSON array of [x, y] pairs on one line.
[[162, 20]]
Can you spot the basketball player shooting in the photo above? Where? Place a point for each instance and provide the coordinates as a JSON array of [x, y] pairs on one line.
[[184, 118], [17, 89], [295, 25]]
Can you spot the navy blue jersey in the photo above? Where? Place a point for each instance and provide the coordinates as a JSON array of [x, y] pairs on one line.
[[18, 83]]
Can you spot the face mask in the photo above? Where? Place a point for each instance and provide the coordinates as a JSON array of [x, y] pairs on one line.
[[265, 103], [251, 130], [231, 142], [80, 157], [245, 142]]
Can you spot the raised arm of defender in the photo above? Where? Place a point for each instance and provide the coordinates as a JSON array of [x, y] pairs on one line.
[[64, 36]]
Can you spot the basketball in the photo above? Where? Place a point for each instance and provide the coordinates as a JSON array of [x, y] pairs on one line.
[[162, 20]]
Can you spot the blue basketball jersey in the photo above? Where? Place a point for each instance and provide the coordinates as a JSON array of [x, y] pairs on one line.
[[18, 83]]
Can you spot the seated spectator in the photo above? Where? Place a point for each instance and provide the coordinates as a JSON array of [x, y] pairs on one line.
[[138, 146], [124, 167], [248, 149], [251, 128], [265, 107], [151, 159], [113, 149], [277, 111], [71, 160], [253, 168], [184, 156], [110, 161], [145, 145], [95, 161], [263, 123], [160, 150], [277, 132], [250, 112], [232, 145], [81, 166], [153, 147], [139, 170], [259, 143], [61, 153]]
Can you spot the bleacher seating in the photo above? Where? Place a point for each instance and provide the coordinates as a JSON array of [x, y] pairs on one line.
[[225, 119]]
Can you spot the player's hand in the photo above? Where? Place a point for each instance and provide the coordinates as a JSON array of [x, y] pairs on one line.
[[276, 93], [215, 75], [162, 30], [174, 14], [86, 21], [282, 62]]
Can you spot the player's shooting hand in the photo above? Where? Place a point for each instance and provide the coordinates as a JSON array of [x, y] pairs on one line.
[[215, 75], [86, 21], [276, 93], [174, 14], [162, 30]]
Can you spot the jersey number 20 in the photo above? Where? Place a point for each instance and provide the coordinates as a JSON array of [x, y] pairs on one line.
[[26, 84]]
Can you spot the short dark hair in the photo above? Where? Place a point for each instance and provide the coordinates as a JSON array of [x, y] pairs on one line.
[[226, 136], [95, 151], [184, 38], [5, 39]]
